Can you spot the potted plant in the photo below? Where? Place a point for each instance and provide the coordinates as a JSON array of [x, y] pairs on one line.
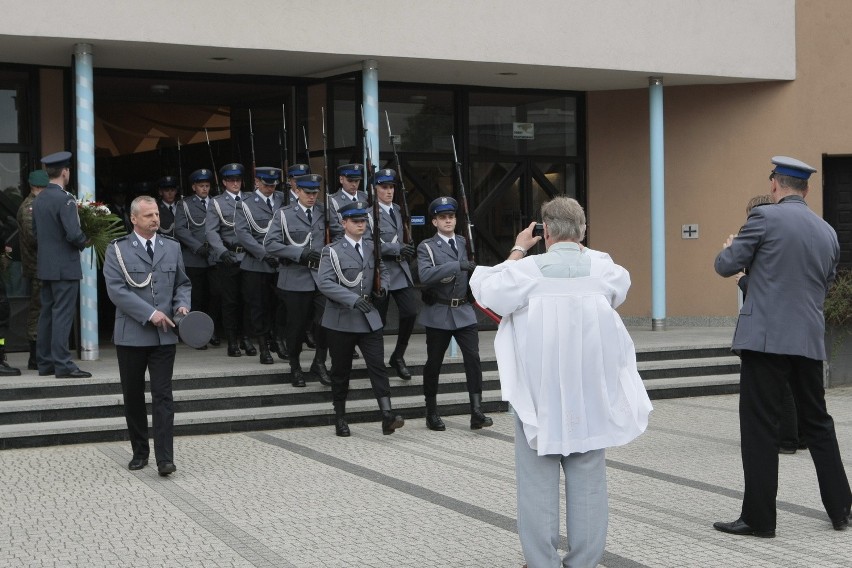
[[838, 330]]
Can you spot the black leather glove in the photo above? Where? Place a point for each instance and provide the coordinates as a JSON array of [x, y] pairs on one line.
[[314, 256], [228, 258], [271, 260], [380, 295], [304, 256], [363, 305], [203, 249], [407, 251], [467, 265]]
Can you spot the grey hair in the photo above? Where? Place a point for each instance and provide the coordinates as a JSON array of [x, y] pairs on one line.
[[565, 219], [134, 206], [790, 182]]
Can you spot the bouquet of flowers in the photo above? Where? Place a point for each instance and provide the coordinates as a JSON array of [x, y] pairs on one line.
[[100, 226]]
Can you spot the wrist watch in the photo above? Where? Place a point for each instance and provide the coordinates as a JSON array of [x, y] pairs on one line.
[[518, 248]]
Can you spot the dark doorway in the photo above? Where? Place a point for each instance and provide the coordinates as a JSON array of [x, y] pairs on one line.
[[837, 202]]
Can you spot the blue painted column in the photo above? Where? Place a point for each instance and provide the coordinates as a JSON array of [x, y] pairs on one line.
[[85, 153], [370, 81], [658, 206]]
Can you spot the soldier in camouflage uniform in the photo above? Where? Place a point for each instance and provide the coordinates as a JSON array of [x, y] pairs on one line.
[[38, 180]]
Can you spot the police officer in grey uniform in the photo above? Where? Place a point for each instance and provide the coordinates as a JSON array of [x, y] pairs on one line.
[[349, 176], [226, 250], [395, 255], [294, 171], [444, 269], [146, 280], [191, 231], [259, 268], [168, 204], [56, 227], [296, 237], [345, 276]]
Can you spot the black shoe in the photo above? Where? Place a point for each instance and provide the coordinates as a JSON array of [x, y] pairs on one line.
[[479, 421], [309, 340], [166, 468], [321, 372], [247, 346], [787, 450], [391, 422], [75, 374], [739, 527], [137, 463], [398, 363], [842, 522], [281, 349], [7, 371], [341, 428], [215, 341], [32, 365], [298, 379], [48, 372], [434, 422], [234, 350], [202, 348]]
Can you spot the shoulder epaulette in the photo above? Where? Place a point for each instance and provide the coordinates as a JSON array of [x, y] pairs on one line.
[[112, 242], [169, 237]]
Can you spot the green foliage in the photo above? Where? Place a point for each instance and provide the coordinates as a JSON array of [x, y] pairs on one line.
[[100, 226], [838, 303]]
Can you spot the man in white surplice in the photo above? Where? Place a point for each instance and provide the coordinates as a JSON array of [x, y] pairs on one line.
[[568, 367]]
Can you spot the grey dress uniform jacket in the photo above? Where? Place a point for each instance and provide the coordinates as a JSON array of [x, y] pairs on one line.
[[289, 233], [190, 230], [167, 218], [251, 225], [56, 227], [168, 290], [391, 236], [220, 223], [442, 276], [340, 313], [782, 312]]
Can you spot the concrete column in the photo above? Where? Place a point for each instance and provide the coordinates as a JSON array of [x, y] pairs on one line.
[[658, 206], [85, 153], [370, 80]]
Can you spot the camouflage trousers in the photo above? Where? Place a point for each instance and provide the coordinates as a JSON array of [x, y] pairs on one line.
[[34, 285]]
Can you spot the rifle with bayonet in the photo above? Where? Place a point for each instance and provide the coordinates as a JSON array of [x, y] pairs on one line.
[[406, 217], [212, 161], [368, 180], [282, 148], [469, 245], [327, 211], [307, 151], [253, 161], [180, 170]]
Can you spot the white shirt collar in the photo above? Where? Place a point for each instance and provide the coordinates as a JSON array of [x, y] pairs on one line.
[[387, 208], [447, 239], [143, 239], [353, 243]]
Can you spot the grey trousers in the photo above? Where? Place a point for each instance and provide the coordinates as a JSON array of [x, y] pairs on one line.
[[586, 508]]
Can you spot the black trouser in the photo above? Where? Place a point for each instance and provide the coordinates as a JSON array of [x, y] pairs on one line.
[[259, 297], [229, 282], [437, 341], [762, 379], [406, 305], [340, 346], [159, 361], [201, 279], [303, 308], [789, 431]]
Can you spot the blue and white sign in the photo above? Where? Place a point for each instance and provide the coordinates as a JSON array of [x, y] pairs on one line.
[[418, 220]]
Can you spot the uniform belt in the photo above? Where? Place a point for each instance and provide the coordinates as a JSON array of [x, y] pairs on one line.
[[235, 248], [452, 302], [368, 298], [395, 258]]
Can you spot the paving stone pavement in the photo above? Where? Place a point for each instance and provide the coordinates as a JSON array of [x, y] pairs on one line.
[[303, 498]]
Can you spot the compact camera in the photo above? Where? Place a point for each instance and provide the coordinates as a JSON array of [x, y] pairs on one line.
[[538, 230]]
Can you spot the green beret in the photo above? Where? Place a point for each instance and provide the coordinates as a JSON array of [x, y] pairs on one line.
[[38, 178]]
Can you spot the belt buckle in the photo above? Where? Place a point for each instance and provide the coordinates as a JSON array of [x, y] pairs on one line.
[[454, 303]]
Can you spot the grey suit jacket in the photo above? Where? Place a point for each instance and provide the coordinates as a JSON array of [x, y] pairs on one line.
[[191, 231], [391, 235], [250, 234], [338, 200], [446, 280], [292, 275], [56, 228], [220, 224], [168, 290], [340, 313], [791, 255]]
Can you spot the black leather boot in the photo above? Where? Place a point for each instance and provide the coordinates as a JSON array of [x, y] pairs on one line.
[[234, 346], [310, 342], [297, 378], [5, 369], [279, 345], [32, 365], [477, 419], [398, 363], [433, 421], [390, 420], [318, 367], [247, 346], [341, 428], [265, 355]]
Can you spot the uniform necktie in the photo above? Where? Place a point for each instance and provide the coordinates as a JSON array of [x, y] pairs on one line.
[[393, 217], [355, 199], [204, 203], [237, 198], [269, 202], [149, 249], [453, 246], [310, 216], [358, 250], [172, 209]]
